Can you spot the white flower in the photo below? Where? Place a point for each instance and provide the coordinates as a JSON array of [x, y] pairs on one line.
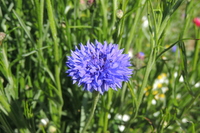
[[197, 85], [124, 117], [121, 128], [156, 114], [153, 102], [145, 22], [184, 120], [130, 53], [44, 121], [181, 79]]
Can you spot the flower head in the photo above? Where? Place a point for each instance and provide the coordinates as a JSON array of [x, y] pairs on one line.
[[2, 36], [197, 21], [120, 13], [140, 55], [99, 67], [174, 48]]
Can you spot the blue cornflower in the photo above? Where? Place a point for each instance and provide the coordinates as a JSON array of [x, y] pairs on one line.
[[98, 67], [140, 55], [174, 48]]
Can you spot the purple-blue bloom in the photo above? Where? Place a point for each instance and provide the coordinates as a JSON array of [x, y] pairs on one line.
[[140, 55], [174, 48], [99, 67]]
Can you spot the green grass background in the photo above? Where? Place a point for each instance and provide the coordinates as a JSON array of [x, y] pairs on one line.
[[41, 33]]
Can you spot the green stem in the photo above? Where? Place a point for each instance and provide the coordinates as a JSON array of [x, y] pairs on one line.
[[56, 56], [152, 57], [113, 21], [196, 53], [5, 124], [108, 102], [150, 64], [101, 116], [100, 123], [40, 12], [12, 89], [94, 104], [105, 20], [121, 26], [132, 31], [134, 97]]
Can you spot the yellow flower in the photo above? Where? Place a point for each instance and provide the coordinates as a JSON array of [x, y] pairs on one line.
[[161, 76], [155, 92], [147, 93], [161, 95], [159, 85]]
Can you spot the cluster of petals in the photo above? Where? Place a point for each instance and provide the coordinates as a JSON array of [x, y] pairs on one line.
[[98, 67]]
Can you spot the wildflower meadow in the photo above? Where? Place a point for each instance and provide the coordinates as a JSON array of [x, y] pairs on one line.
[[99, 66]]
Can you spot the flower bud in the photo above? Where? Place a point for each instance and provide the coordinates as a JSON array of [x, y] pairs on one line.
[[2, 36], [197, 21], [120, 13], [52, 129]]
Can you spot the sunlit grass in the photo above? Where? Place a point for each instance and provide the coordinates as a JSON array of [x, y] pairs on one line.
[[36, 94]]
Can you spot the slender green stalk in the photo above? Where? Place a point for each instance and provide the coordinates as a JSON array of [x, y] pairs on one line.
[[133, 28], [105, 19], [120, 29], [56, 56], [134, 99], [155, 41], [133, 96], [5, 124], [100, 122], [113, 14], [94, 104], [151, 59], [150, 65], [113, 20], [40, 12], [108, 102], [196, 53], [12, 89], [121, 26]]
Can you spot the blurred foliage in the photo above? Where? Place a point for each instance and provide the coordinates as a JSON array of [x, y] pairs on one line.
[[37, 96]]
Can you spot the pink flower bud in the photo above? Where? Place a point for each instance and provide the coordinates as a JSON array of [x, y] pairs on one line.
[[197, 21]]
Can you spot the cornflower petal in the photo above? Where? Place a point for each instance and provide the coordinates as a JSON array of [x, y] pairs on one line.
[[98, 67]]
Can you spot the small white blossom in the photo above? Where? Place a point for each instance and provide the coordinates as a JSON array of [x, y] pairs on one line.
[[121, 128]]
